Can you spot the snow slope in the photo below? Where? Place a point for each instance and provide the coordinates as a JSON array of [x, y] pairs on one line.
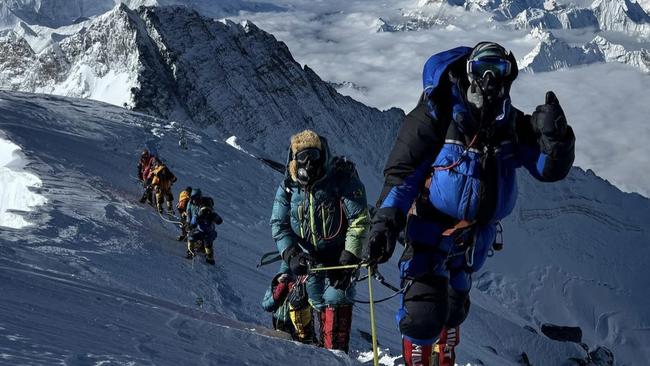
[[99, 279], [104, 273]]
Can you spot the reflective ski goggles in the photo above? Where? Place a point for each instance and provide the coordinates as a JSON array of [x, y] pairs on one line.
[[306, 155], [497, 66]]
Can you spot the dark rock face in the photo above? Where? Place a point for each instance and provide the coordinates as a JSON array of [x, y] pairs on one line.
[[601, 356], [562, 333], [244, 81]]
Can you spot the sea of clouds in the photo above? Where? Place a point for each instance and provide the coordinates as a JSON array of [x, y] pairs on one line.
[[607, 104]]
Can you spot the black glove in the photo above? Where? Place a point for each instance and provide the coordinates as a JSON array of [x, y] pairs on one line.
[[297, 260], [549, 121], [217, 219], [379, 250], [340, 279], [386, 225]]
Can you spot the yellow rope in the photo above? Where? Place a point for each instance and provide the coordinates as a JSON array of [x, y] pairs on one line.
[[373, 328]]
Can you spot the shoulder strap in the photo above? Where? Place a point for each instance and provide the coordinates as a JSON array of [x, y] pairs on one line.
[[344, 169]]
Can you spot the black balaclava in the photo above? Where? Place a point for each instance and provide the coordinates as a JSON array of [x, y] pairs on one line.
[[309, 164]]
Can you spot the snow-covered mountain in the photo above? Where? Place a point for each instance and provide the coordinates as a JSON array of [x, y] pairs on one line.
[[624, 16], [174, 63], [608, 15], [106, 275], [57, 13], [614, 15], [552, 53]]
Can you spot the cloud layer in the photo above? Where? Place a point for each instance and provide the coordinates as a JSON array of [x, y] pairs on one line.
[[607, 104]]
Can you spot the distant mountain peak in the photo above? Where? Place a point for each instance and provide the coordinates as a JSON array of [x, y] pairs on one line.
[[552, 53]]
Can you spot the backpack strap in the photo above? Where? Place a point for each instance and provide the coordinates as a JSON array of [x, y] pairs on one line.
[[344, 169]]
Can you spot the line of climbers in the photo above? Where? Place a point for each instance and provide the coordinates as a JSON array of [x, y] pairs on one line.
[[197, 216], [449, 180]]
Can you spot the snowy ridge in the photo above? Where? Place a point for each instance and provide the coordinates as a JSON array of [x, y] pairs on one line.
[[70, 66], [622, 15], [254, 89], [617, 53], [552, 53], [604, 15]]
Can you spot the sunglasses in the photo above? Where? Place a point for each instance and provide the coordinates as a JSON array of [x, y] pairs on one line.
[[498, 67], [306, 155]]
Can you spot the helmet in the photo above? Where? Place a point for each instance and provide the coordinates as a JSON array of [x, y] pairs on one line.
[[196, 193], [490, 72], [145, 153], [488, 58], [205, 210]]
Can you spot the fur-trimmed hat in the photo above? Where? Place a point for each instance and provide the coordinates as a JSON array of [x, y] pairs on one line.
[[306, 139]]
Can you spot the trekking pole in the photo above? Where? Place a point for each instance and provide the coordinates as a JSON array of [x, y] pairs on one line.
[[373, 328]]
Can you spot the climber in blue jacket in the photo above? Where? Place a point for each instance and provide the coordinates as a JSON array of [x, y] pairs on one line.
[[450, 179]]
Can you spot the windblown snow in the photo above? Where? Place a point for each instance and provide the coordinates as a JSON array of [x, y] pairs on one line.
[[16, 187]]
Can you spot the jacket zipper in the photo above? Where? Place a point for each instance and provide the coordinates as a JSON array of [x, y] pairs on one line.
[[324, 218], [312, 218]]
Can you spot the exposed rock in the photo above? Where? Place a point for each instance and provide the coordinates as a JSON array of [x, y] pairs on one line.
[[562, 333]]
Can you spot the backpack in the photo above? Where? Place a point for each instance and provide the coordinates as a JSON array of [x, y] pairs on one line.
[[207, 202], [206, 207], [166, 175], [344, 170]]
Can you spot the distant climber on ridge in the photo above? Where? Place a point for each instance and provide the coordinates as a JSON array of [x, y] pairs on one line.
[[145, 165], [181, 206], [202, 221], [162, 181]]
